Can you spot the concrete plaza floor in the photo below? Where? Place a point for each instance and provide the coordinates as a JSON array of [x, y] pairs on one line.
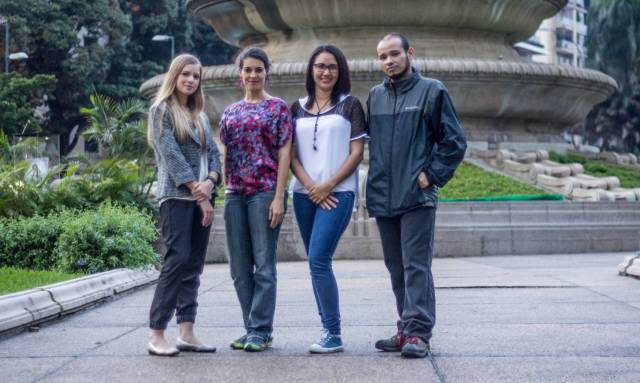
[[551, 318]]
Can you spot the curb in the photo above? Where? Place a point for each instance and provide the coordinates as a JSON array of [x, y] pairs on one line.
[[52, 301], [630, 266]]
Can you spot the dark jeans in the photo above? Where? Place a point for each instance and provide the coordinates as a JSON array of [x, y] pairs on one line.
[[251, 247], [186, 242], [407, 244], [321, 230]]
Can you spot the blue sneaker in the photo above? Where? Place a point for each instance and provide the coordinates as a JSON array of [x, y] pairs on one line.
[[328, 343]]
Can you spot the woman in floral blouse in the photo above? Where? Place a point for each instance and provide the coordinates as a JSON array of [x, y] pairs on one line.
[[257, 134]]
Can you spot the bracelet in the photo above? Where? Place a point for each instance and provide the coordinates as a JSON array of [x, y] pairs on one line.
[[213, 180]]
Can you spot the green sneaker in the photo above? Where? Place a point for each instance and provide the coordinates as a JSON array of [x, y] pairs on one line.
[[239, 343], [256, 343]]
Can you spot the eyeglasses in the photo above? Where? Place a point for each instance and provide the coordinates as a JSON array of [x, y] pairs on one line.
[[333, 68]]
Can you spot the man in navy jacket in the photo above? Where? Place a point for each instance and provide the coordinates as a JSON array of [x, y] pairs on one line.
[[416, 144]]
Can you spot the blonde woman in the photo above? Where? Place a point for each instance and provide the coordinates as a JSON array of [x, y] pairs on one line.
[[188, 170]]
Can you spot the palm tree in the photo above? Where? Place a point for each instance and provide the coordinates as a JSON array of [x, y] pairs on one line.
[[118, 127]]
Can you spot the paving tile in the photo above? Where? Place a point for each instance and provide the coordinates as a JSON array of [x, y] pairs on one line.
[[250, 368], [566, 318], [26, 370], [541, 369]]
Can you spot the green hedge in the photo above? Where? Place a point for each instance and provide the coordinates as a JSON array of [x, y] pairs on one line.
[[29, 243], [72, 241]]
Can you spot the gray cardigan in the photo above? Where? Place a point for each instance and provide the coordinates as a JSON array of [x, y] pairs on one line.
[[179, 163]]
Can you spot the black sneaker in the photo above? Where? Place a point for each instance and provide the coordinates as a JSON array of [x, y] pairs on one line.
[[415, 347], [392, 344]]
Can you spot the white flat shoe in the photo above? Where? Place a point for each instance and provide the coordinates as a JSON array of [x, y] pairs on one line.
[[153, 350], [186, 346]]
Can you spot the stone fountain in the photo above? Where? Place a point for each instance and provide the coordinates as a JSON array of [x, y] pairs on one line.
[[466, 44]]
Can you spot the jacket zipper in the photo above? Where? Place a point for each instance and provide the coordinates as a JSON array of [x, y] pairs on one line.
[[393, 131]]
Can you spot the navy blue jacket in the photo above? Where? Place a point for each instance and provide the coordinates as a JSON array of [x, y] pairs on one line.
[[413, 127]]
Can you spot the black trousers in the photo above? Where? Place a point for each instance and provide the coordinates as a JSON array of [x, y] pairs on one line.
[[186, 242], [407, 246]]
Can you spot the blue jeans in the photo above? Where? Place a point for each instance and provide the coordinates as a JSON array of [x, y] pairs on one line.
[[321, 230], [251, 247]]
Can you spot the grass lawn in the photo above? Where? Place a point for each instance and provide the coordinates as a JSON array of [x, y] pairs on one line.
[[13, 280], [470, 182], [629, 178]]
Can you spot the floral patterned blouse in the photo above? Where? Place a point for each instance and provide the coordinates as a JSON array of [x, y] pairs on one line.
[[252, 134]]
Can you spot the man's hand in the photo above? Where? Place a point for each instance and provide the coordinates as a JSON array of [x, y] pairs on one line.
[[423, 181], [207, 212]]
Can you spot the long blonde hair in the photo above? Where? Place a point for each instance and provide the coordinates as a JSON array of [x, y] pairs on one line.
[[167, 100]]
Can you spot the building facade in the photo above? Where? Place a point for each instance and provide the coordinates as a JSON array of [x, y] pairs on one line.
[[560, 39]]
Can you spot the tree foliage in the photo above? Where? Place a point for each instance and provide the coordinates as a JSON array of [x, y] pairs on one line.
[[141, 58], [102, 46], [19, 97], [614, 48], [74, 40], [118, 127]]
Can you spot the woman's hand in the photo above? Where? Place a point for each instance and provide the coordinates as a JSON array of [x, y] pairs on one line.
[[276, 212], [329, 203], [201, 191], [319, 193], [321, 196], [207, 212]]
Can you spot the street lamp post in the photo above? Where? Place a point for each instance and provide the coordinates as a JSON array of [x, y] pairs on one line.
[[165, 38], [5, 22], [8, 57]]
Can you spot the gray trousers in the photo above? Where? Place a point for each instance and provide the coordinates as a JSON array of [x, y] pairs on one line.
[[251, 247], [186, 242], [407, 245]]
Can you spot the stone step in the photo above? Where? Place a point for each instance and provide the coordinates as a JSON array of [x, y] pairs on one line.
[[484, 228]]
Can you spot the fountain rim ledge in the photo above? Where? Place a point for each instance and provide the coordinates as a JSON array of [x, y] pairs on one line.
[[196, 5], [433, 67]]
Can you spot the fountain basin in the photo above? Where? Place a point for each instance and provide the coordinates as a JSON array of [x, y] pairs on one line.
[[520, 102]]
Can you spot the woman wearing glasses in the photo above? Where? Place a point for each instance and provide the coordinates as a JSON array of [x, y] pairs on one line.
[[328, 146]]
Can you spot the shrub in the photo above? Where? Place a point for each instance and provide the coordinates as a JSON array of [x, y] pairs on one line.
[[79, 241], [29, 243], [111, 237], [81, 186]]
